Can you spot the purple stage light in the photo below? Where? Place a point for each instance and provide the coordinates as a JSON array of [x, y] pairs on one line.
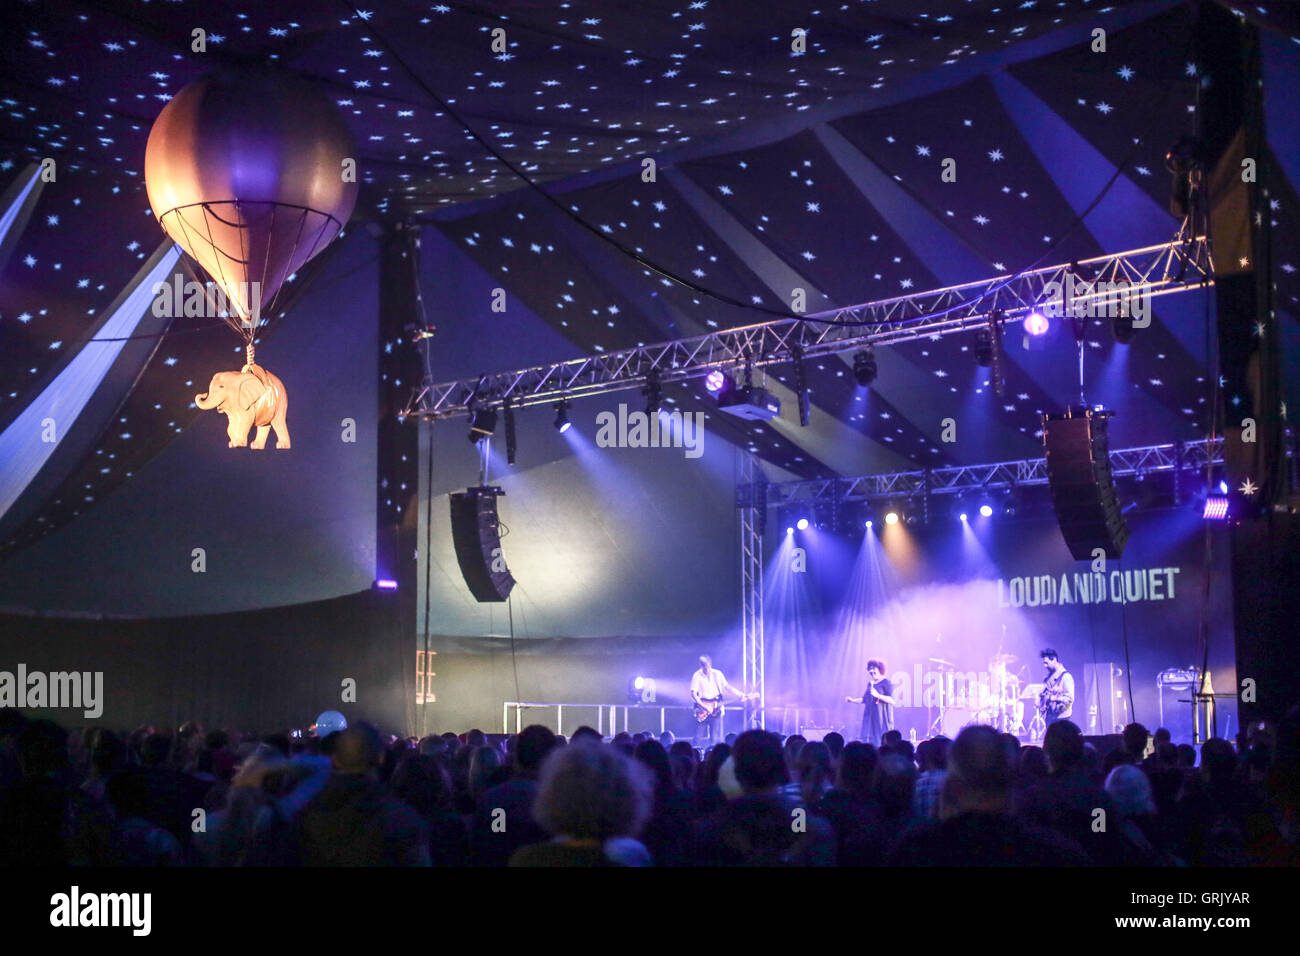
[[1223, 487], [801, 524], [386, 584], [986, 510], [1036, 323], [715, 380], [1216, 509]]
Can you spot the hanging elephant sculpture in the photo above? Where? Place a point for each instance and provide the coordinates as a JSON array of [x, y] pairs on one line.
[[251, 397]]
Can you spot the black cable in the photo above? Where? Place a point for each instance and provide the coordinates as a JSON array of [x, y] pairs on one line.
[[687, 283], [1123, 620], [428, 570]]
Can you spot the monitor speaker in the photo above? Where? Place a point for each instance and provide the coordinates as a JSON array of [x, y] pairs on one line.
[[1083, 492], [476, 533]]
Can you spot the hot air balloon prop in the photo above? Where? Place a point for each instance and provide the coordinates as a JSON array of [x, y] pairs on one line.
[[252, 173]]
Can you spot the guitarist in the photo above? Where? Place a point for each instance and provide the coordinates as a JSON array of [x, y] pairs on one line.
[[707, 687], [1056, 702]]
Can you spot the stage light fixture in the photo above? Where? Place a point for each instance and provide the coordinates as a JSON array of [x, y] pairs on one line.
[[864, 366], [1036, 323], [1121, 327], [801, 387], [789, 531], [869, 522], [984, 348], [962, 517], [508, 410], [1223, 487], [653, 392], [641, 690], [986, 510], [802, 524], [482, 424], [891, 518], [562, 423], [1216, 509], [716, 381]]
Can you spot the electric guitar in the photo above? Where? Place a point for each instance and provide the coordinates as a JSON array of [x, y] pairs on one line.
[[1052, 702], [712, 706]]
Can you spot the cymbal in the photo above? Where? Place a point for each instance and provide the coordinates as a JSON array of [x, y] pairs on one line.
[[1003, 659]]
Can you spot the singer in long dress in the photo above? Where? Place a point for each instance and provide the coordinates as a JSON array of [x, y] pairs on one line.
[[878, 704]]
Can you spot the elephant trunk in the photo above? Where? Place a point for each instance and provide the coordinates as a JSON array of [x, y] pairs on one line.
[[204, 402]]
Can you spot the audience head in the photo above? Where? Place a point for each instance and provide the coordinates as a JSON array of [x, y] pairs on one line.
[[535, 743], [894, 783], [355, 750], [835, 744], [592, 792], [857, 769], [979, 775], [585, 733], [759, 762], [1130, 789], [1135, 740], [1033, 764], [1063, 744], [1218, 761], [1163, 736]]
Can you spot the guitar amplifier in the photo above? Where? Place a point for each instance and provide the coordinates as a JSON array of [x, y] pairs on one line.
[[1175, 687]]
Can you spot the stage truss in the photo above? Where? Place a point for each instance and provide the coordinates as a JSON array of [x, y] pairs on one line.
[[1180, 265]]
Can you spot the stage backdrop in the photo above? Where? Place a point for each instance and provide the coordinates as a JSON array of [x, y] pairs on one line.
[[914, 595]]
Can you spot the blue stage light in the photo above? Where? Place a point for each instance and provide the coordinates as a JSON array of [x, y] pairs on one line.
[[789, 530], [963, 516], [986, 510], [801, 524], [715, 380]]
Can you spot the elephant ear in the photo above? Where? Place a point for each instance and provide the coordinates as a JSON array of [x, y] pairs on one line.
[[250, 390]]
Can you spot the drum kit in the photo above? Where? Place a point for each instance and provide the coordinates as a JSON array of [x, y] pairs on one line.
[[998, 702], [1003, 707]]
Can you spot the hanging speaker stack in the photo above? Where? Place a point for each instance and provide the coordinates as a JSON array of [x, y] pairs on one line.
[[1083, 491], [476, 532]]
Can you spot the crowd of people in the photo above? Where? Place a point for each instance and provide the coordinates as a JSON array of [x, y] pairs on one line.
[[357, 798]]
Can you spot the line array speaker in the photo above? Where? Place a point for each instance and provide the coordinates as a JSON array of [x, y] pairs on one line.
[[1083, 491], [476, 532]]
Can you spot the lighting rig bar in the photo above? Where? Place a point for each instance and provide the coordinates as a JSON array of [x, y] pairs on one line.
[[1145, 460], [1179, 265]]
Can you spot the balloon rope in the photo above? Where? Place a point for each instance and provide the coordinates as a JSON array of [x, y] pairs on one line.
[[248, 350]]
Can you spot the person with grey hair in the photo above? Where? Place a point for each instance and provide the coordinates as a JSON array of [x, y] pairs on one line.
[[1130, 790], [593, 801]]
